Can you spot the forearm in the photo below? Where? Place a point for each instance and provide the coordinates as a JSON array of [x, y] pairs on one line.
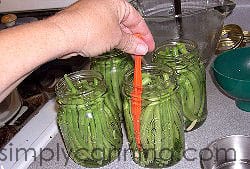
[[88, 28], [10, 88], [24, 48]]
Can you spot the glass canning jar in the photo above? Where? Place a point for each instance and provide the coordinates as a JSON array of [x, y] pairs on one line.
[[88, 122], [160, 122], [183, 57], [113, 66]]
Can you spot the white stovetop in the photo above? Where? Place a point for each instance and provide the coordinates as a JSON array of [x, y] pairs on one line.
[[31, 139]]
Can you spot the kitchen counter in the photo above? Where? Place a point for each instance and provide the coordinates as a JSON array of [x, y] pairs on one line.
[[224, 118]]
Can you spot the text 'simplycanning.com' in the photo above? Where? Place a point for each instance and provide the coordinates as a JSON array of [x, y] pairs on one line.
[[44, 155]]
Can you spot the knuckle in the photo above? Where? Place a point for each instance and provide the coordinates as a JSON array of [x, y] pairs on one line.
[[127, 45]]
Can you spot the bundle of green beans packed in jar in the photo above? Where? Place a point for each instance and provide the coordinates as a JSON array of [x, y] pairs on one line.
[[113, 66], [183, 57], [161, 125], [88, 121]]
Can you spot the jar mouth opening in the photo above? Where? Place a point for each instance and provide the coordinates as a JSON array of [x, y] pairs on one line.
[[62, 88], [189, 44], [148, 91], [179, 59]]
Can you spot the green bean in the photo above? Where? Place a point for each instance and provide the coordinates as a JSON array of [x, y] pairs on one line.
[[145, 121], [110, 104], [146, 79], [158, 132], [108, 121], [70, 85], [63, 125], [100, 155], [193, 93], [129, 124], [182, 48], [116, 88], [166, 144], [175, 51], [82, 122], [75, 136]]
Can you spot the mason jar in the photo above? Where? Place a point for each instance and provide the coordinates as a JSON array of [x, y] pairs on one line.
[[113, 66], [161, 128], [87, 119], [183, 57]]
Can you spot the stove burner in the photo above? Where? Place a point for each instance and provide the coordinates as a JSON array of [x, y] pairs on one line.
[[6, 133]]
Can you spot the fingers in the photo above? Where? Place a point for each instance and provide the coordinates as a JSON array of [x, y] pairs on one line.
[[69, 55], [134, 22], [133, 45]]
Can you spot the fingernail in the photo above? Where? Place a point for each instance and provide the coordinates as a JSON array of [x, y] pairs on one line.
[[141, 49]]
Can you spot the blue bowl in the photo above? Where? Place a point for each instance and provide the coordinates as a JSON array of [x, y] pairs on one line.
[[231, 71]]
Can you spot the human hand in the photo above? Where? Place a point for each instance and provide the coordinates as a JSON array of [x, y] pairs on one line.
[[97, 26]]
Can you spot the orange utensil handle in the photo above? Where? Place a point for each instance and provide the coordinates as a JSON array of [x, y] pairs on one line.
[[136, 99], [136, 113]]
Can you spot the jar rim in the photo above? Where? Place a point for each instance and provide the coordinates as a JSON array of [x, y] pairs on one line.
[[193, 47], [175, 41], [167, 69], [111, 54], [80, 75]]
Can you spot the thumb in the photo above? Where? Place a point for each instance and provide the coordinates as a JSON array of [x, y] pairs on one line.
[[132, 44]]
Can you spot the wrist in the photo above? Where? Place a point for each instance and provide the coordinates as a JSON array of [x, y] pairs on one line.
[[61, 36], [70, 31]]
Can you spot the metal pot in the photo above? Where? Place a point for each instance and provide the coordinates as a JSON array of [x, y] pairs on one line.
[[200, 21], [9, 107], [231, 152]]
